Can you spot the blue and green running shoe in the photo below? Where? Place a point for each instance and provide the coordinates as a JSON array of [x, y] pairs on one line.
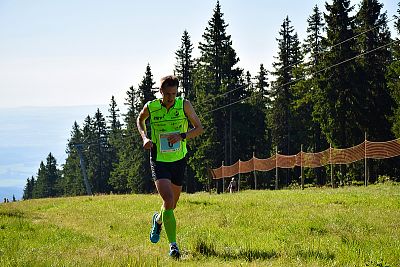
[[155, 230]]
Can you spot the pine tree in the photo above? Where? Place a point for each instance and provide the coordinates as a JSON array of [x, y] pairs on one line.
[[393, 78], [377, 102], [216, 74], [115, 134], [213, 50], [73, 184], [132, 173], [115, 124], [185, 66], [261, 87], [393, 81], [54, 176], [247, 81], [133, 105], [282, 114], [308, 88], [28, 190], [123, 168], [282, 118], [184, 70], [217, 61], [202, 151], [218, 58], [373, 33], [41, 188], [305, 91], [89, 153], [102, 161], [141, 181], [262, 107], [313, 43], [337, 107], [47, 179], [146, 87]]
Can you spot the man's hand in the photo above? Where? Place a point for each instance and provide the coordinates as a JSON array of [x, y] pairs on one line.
[[147, 144], [174, 138]]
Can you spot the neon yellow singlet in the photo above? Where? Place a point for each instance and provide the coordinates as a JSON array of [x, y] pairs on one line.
[[163, 123]]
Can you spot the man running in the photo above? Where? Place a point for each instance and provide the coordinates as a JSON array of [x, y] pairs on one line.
[[169, 131]]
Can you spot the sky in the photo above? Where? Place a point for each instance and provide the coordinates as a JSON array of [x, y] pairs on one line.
[[61, 60], [67, 53], [28, 135]]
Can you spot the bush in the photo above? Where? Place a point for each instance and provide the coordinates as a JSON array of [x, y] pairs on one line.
[[384, 179]]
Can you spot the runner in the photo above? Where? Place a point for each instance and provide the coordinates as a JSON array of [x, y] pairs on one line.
[[169, 131], [232, 185]]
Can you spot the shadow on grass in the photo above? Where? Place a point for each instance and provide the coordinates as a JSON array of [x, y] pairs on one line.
[[249, 254], [319, 230], [315, 254], [197, 202], [11, 214]]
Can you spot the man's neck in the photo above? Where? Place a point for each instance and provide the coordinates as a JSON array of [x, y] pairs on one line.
[[166, 105]]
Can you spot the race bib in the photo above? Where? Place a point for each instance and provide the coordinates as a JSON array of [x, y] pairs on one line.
[[166, 146]]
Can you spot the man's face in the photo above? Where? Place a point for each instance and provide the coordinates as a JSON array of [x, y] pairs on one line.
[[169, 93]]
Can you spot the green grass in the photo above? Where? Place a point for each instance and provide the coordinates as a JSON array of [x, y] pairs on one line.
[[352, 226]]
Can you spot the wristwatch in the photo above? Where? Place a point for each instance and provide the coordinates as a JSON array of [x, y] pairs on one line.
[[183, 136]]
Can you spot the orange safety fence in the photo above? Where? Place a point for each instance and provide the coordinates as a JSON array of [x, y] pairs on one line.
[[348, 155], [367, 149], [246, 166], [264, 164], [383, 150], [314, 160]]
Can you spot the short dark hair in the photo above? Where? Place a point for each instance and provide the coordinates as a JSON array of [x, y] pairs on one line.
[[169, 80]]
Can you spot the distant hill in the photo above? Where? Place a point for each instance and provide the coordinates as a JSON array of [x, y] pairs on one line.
[[28, 135]]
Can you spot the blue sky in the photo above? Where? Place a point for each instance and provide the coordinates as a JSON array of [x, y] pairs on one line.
[[28, 135], [63, 53]]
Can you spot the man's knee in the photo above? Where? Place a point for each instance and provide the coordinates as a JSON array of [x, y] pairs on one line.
[[169, 202]]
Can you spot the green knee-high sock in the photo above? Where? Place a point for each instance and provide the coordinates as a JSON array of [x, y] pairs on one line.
[[169, 222]]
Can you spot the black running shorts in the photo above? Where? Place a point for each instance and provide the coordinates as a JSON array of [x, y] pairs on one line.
[[173, 171]]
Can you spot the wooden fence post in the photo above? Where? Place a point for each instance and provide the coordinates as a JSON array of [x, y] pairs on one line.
[[301, 167], [255, 175], [330, 161], [238, 185], [223, 178], [276, 168], [365, 161]]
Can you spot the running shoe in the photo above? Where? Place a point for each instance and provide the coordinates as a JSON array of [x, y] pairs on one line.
[[155, 229], [174, 251]]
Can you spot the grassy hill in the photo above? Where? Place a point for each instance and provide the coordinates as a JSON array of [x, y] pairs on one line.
[[352, 226]]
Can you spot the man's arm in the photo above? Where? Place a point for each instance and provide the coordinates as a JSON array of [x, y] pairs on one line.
[[194, 119], [141, 125]]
